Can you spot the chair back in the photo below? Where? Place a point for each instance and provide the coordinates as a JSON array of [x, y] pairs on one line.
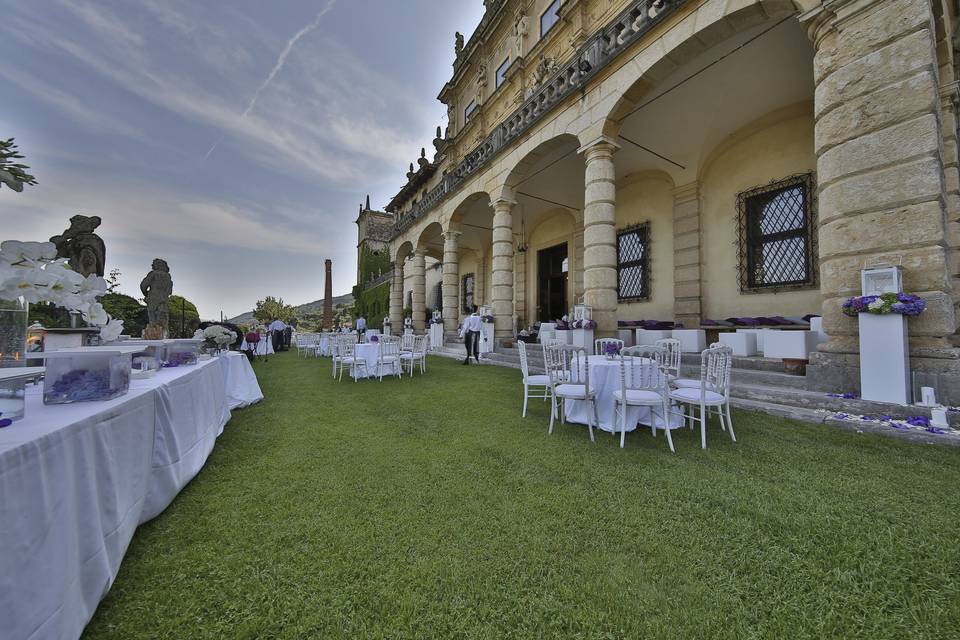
[[420, 344], [641, 367], [672, 355], [346, 345], [567, 365], [552, 342], [524, 368], [385, 339], [600, 345], [388, 349], [715, 365], [406, 342]]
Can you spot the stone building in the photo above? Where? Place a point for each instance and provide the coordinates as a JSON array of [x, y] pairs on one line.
[[689, 160]]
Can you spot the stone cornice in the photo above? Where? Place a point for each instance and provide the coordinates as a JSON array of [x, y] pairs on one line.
[[595, 54]]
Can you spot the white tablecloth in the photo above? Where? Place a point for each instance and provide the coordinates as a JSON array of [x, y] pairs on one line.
[[77, 479], [369, 353], [264, 347], [605, 379], [239, 380], [324, 347]]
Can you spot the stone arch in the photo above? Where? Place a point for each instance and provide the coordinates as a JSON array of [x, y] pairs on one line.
[[691, 37], [523, 168], [404, 250], [463, 209]]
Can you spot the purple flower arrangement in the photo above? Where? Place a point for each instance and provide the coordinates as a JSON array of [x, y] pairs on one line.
[[179, 358], [587, 324], [611, 349], [487, 319], [82, 385], [903, 303], [563, 325], [906, 424], [374, 339]]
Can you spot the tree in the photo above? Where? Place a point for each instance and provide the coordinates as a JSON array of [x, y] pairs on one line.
[[271, 308], [13, 174], [113, 280], [184, 317], [128, 309]]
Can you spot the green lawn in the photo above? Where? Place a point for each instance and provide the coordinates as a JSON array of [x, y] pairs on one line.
[[430, 509]]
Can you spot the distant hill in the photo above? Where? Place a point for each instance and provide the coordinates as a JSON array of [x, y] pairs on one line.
[[302, 310]]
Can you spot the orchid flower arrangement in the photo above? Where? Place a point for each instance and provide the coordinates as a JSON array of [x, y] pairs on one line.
[[903, 303], [216, 335], [32, 271]]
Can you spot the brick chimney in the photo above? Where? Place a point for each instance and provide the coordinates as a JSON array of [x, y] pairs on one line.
[[328, 296]]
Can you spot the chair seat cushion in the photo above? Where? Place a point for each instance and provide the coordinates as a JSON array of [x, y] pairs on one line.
[[693, 395], [689, 383], [538, 380], [571, 391], [638, 396]]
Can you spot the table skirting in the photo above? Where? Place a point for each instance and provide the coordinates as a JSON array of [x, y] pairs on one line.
[[239, 380], [77, 479], [369, 354], [605, 380], [264, 347]]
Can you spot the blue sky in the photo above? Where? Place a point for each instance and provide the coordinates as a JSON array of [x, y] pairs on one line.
[[117, 105]]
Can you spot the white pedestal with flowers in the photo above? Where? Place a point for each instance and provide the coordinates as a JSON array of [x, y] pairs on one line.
[[583, 325], [882, 313], [486, 330]]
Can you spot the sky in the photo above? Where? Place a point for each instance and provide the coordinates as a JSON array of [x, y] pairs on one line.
[[235, 139]]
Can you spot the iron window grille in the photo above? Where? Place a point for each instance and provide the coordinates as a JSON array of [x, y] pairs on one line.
[[466, 294], [633, 263], [776, 225]]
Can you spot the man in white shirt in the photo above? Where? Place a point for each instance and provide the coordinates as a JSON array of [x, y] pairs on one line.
[[361, 326], [470, 332], [276, 334]]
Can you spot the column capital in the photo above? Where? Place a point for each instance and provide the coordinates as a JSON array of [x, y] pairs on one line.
[[451, 234], [503, 203], [602, 145], [420, 252], [686, 192], [829, 15]]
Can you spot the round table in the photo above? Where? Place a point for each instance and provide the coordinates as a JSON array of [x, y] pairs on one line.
[[605, 380], [369, 353]]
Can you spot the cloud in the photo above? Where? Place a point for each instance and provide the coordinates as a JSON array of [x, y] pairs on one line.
[[95, 120]]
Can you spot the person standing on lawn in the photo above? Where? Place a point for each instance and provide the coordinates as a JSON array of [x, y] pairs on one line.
[[470, 332]]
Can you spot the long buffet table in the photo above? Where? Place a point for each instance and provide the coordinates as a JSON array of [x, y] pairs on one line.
[[76, 480]]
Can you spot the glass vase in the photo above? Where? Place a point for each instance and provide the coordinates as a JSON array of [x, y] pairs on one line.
[[13, 332]]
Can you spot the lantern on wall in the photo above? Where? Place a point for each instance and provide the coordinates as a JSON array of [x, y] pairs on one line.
[[877, 280]]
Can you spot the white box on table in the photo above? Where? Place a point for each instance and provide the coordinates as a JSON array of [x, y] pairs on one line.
[[181, 351], [650, 336], [691, 340], [743, 344], [86, 374], [13, 382]]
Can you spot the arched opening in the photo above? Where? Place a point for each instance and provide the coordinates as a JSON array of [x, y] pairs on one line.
[[548, 185], [712, 153], [473, 219]]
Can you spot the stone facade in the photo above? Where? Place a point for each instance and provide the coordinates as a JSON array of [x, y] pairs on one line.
[[662, 113]]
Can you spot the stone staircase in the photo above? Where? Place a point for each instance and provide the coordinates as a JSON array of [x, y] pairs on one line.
[[758, 384]]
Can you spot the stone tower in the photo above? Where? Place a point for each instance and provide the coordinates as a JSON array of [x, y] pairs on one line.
[[328, 295]]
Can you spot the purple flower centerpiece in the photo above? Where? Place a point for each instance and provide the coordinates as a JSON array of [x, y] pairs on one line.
[[588, 324], [487, 319], [374, 339], [903, 303], [611, 350]]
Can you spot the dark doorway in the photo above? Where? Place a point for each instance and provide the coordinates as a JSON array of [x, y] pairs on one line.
[[552, 282]]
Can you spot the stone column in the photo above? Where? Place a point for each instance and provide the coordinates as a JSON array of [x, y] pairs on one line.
[[502, 283], [396, 298], [687, 306], [880, 172], [576, 265], [328, 295], [419, 290], [599, 235], [451, 281], [480, 280]]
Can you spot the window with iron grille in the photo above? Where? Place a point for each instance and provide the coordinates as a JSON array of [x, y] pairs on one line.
[[633, 263], [466, 293], [777, 227]]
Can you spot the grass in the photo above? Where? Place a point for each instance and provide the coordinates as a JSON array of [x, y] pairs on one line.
[[430, 509]]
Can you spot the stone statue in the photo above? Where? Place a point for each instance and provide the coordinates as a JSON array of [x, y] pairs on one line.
[[545, 67], [481, 77], [520, 29], [82, 248], [458, 44], [157, 288]]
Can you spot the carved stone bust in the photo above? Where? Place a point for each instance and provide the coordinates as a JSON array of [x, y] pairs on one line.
[[83, 249], [157, 288]]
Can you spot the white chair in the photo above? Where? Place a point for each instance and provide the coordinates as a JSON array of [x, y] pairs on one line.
[[564, 366], [406, 343], [672, 356], [388, 353], [304, 342], [539, 382], [600, 344], [417, 353], [713, 394], [347, 347], [335, 356], [643, 383]]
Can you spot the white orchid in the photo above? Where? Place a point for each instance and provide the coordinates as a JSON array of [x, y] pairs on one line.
[[15, 252], [92, 287], [96, 314], [111, 330]]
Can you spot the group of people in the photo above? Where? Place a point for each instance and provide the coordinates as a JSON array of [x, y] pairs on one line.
[[280, 335]]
